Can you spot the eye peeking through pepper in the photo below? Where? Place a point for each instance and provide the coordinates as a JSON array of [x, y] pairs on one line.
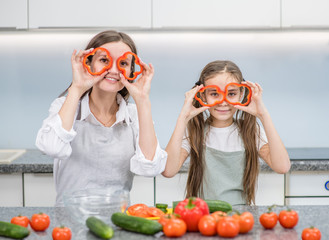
[[235, 94], [100, 60]]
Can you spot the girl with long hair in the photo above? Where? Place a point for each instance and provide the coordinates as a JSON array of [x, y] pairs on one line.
[[223, 139]]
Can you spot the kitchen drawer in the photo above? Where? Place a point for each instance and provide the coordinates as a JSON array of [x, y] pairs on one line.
[[39, 190], [11, 190], [170, 189], [308, 201], [307, 183]]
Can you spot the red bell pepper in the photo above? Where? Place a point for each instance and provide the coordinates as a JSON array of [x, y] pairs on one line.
[[191, 210]]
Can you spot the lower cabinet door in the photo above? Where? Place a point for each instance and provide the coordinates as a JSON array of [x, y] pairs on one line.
[[270, 189], [39, 190], [11, 190], [170, 189], [142, 191]]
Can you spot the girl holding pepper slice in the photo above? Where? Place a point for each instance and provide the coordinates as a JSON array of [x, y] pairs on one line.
[[96, 137], [224, 142]]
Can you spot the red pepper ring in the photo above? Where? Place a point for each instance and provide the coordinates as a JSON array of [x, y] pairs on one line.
[[224, 94], [93, 53], [123, 70]]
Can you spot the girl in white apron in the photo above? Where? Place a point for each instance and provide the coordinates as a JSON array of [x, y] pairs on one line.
[[225, 141], [97, 138]]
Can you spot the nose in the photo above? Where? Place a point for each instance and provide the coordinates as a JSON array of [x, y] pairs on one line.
[[114, 68]]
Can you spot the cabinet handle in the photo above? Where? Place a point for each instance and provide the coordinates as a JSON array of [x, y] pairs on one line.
[[326, 185]]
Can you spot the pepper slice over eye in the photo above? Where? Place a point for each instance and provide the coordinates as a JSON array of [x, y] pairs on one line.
[[102, 52], [129, 56]]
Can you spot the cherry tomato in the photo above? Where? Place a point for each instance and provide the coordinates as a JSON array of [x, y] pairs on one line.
[[175, 227], [228, 227], [311, 233], [218, 215], [20, 220], [164, 219], [40, 221], [288, 218], [246, 221], [139, 210], [61, 233], [154, 212], [268, 220], [207, 225]]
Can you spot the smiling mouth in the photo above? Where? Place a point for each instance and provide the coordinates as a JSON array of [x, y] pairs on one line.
[[111, 79]]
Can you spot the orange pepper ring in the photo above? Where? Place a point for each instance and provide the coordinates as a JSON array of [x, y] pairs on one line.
[[93, 53], [224, 98], [137, 61]]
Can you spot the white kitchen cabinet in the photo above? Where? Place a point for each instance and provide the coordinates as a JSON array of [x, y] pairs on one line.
[[39, 190], [216, 14], [142, 191], [11, 190], [270, 189], [13, 14], [305, 13], [84, 13], [170, 189], [307, 188]]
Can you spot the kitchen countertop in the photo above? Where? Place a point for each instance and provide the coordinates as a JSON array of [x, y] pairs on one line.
[[302, 159], [316, 216]]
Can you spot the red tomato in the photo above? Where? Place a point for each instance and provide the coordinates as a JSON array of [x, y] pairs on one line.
[[288, 218], [228, 227], [268, 220], [154, 212], [139, 210], [20, 220], [218, 215], [207, 225], [164, 219], [311, 233], [40, 222], [246, 221], [175, 227], [61, 233]]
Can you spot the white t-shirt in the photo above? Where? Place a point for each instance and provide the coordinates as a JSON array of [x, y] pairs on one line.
[[226, 139]]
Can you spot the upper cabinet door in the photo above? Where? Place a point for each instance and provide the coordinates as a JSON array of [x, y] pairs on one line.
[[86, 13], [216, 14], [13, 14], [305, 13]]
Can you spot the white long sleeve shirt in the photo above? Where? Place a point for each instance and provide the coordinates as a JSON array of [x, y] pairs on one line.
[[89, 146]]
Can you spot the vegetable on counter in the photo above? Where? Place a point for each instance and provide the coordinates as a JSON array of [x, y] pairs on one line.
[[269, 219], [61, 233], [191, 210], [13, 231], [228, 227], [311, 233], [20, 220], [288, 218], [99, 228], [213, 205], [142, 210], [136, 224], [40, 221], [246, 221], [175, 227]]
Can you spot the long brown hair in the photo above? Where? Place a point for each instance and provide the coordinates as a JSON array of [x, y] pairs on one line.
[[248, 129], [107, 37]]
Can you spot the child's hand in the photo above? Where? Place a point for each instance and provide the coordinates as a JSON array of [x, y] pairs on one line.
[[82, 79], [189, 111], [256, 106], [140, 89]]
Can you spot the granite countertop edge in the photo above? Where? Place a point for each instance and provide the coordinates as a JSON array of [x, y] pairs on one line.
[[302, 159]]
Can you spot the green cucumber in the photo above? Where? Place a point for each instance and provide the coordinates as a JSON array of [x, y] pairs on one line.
[[213, 205], [162, 206], [136, 224], [13, 231], [99, 228]]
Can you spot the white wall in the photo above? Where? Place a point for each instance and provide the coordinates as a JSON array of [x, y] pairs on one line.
[[292, 67]]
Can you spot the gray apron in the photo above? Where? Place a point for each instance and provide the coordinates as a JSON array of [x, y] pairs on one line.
[[100, 159], [223, 176]]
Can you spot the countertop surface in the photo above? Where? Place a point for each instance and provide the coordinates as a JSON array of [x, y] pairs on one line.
[[316, 216], [302, 159]]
